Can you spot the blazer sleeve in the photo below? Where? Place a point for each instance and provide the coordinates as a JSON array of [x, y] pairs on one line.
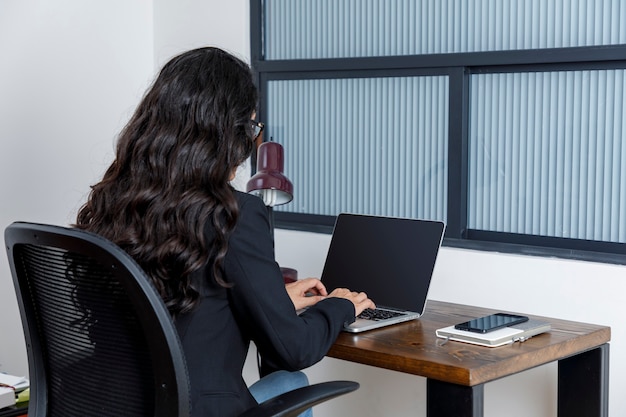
[[261, 304]]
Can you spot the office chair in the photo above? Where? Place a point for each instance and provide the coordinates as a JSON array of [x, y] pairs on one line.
[[100, 340]]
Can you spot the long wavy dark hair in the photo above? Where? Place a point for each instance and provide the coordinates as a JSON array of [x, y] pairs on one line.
[[171, 173]]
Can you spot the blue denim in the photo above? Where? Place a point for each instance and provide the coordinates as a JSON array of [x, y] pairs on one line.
[[277, 383]]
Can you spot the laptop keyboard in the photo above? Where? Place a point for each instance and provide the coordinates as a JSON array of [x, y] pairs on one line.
[[377, 314]]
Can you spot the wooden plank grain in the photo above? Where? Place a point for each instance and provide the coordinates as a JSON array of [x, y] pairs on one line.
[[413, 347]]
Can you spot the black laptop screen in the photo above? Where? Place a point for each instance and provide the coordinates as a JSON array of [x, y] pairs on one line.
[[391, 259]]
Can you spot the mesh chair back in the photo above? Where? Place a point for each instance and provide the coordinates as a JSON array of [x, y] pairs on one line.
[[100, 340]]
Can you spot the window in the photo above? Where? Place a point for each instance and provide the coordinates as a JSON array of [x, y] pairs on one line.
[[503, 119], [373, 145]]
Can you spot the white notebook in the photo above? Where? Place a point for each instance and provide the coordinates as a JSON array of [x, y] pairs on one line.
[[7, 397], [518, 333]]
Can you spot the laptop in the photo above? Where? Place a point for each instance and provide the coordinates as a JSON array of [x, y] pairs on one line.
[[391, 259]]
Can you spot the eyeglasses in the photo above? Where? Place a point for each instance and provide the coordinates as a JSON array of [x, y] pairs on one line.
[[257, 128]]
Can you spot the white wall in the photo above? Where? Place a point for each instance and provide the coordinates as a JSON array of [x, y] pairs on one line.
[[72, 73], [182, 25]]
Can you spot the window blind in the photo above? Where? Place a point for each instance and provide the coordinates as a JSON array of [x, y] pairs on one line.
[[368, 145], [310, 29], [547, 154]]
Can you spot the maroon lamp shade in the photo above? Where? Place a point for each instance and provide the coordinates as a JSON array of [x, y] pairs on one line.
[[269, 182]]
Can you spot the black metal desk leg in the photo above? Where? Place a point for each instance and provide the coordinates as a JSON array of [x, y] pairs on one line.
[[584, 384], [444, 400]]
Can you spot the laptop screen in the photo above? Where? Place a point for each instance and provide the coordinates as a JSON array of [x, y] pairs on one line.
[[390, 259]]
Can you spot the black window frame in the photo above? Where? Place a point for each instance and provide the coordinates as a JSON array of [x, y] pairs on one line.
[[458, 67]]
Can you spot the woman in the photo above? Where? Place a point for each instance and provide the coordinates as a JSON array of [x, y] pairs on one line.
[[167, 200]]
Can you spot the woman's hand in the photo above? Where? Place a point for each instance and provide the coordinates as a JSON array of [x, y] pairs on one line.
[[306, 292], [359, 299]]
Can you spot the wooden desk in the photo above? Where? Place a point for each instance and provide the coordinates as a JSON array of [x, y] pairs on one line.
[[456, 372]]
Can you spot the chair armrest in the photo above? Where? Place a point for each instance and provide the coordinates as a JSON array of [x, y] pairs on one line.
[[292, 403]]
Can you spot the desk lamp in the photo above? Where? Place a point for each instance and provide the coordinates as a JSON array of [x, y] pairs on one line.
[[272, 186], [269, 182]]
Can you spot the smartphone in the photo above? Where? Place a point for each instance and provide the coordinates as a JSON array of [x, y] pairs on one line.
[[492, 322]]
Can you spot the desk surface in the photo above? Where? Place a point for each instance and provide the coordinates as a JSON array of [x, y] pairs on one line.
[[413, 347]]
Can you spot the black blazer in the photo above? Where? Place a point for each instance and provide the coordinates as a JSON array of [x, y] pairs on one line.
[[217, 333]]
